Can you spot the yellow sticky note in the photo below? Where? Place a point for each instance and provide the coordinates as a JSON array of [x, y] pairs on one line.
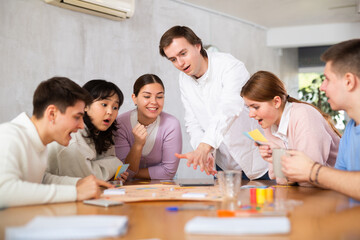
[[257, 136], [117, 172]]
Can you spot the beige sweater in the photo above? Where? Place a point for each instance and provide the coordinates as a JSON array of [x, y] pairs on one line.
[[80, 159]]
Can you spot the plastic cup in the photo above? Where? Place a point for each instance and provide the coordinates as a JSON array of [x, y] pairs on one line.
[[230, 183], [277, 153]]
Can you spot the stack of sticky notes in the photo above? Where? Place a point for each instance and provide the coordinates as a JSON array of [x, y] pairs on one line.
[[256, 136], [121, 169]]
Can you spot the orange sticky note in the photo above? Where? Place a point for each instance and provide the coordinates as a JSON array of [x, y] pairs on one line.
[[225, 213]]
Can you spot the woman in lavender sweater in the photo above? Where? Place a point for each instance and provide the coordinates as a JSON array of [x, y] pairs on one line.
[[148, 138]]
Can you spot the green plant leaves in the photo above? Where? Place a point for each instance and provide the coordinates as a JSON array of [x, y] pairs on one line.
[[314, 96]]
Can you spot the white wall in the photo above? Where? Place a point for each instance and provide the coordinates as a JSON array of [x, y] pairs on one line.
[[312, 35], [38, 41]]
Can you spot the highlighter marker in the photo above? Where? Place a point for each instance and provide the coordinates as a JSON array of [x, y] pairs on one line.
[[190, 207], [260, 196]]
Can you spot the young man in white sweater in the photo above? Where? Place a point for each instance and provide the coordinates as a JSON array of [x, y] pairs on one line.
[[58, 111]]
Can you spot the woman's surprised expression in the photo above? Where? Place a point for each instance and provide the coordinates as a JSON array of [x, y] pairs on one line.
[[266, 113], [103, 112], [150, 102]]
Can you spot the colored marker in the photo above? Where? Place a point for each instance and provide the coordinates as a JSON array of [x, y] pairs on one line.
[[260, 196], [253, 195], [269, 192], [190, 207]]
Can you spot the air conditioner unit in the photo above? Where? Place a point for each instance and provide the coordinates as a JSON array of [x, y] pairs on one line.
[[112, 9]]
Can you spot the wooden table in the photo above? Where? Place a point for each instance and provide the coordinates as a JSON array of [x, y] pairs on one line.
[[323, 214]]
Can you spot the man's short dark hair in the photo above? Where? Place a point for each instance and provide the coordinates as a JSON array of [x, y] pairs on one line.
[[59, 91], [344, 57], [178, 32]]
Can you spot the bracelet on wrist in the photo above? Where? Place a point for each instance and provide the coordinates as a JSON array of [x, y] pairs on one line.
[[317, 174], [312, 168]]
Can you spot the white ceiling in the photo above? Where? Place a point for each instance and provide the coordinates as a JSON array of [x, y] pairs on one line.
[[285, 13]]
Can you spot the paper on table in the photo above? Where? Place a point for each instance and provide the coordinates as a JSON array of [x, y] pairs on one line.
[[70, 227], [194, 195], [238, 226], [114, 191]]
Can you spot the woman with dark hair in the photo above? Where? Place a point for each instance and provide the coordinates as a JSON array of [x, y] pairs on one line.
[[289, 123], [148, 138], [91, 150]]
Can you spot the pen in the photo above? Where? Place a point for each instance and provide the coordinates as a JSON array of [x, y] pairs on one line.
[[190, 207]]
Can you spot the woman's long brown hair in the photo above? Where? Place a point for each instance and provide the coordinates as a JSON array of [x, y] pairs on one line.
[[263, 86]]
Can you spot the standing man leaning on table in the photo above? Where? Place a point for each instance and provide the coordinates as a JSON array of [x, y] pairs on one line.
[[210, 85], [58, 111], [342, 87]]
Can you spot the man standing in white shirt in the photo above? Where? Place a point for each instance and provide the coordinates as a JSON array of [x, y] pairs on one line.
[[59, 105], [215, 118]]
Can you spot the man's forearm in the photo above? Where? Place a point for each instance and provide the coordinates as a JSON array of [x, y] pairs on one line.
[[345, 182]]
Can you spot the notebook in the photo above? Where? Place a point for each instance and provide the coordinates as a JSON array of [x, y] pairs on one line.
[[238, 226], [70, 227]]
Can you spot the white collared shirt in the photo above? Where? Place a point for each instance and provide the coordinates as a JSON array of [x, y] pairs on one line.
[[215, 114], [281, 131]]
